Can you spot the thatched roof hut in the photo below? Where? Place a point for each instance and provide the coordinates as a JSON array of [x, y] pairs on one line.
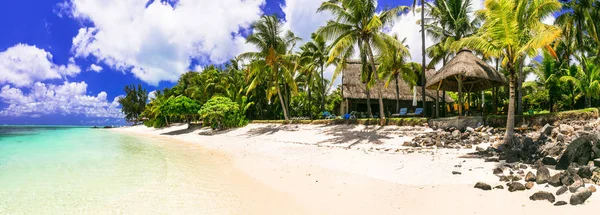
[[476, 75], [353, 88]]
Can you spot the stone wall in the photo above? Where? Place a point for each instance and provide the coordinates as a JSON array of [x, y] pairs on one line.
[[540, 120]]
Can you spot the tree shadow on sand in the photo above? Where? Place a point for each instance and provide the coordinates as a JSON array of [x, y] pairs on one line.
[[346, 134], [179, 132], [270, 129]]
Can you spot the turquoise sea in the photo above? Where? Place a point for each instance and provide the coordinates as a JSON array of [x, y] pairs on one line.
[[74, 170]]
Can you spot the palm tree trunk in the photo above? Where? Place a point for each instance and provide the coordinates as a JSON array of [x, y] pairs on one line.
[[372, 60], [495, 92], [397, 94], [510, 118], [310, 114], [368, 92], [367, 88], [283, 106], [520, 87], [423, 76], [323, 85]]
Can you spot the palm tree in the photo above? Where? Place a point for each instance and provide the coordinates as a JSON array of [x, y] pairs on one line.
[[590, 83], [547, 72], [447, 22], [267, 65], [513, 30], [423, 50], [570, 79], [316, 54], [393, 65], [357, 23]]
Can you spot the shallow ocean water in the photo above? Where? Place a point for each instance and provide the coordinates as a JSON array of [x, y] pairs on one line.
[[69, 170]]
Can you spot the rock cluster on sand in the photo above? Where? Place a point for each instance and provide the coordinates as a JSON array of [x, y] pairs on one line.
[[453, 138], [571, 148]]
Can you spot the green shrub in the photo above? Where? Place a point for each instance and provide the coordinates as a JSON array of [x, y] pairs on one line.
[[221, 113]]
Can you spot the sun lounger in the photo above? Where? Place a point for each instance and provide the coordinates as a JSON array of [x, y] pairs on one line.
[[403, 112], [418, 112]]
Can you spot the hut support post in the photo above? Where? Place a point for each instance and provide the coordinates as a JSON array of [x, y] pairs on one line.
[[437, 99], [460, 103]]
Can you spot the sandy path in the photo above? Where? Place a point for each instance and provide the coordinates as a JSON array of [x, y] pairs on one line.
[[313, 165]]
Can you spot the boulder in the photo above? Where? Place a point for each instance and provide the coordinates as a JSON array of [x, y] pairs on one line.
[[456, 173], [579, 151], [596, 176], [515, 186], [483, 186], [530, 176], [555, 180], [543, 174], [577, 183], [566, 129], [546, 130], [580, 196], [585, 172], [543, 195], [561, 190], [499, 187], [498, 171], [597, 162], [529, 185], [549, 161], [456, 133], [592, 188], [560, 203]]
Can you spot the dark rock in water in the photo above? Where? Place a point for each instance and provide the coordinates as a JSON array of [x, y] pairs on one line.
[[515, 186], [456, 173], [549, 161], [580, 196], [585, 172], [499, 187], [543, 195], [529, 185], [560, 203], [483, 186], [530, 176], [498, 171], [561, 190], [577, 183], [579, 151], [543, 174], [555, 180]]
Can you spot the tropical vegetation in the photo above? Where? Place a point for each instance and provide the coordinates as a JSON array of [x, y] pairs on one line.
[[551, 65]]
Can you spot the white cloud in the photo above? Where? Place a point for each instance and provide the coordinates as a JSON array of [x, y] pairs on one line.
[[302, 18], [156, 43], [67, 99], [152, 95], [22, 65], [95, 68]]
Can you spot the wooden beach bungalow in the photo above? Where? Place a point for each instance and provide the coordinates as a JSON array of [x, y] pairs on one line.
[[355, 97]]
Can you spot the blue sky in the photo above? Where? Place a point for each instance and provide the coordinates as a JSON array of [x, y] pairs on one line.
[[66, 61]]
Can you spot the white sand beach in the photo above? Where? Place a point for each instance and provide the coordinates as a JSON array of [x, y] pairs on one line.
[[344, 169]]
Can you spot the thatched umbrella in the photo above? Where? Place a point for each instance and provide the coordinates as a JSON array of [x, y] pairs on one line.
[[465, 72]]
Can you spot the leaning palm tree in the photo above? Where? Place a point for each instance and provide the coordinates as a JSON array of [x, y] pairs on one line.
[[513, 30], [358, 23], [267, 65], [393, 65]]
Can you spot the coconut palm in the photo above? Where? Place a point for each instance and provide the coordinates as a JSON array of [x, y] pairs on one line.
[[358, 23], [316, 54], [590, 83], [267, 64], [513, 30], [393, 65], [547, 72]]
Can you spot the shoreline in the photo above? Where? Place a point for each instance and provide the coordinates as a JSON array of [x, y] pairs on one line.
[[359, 169]]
